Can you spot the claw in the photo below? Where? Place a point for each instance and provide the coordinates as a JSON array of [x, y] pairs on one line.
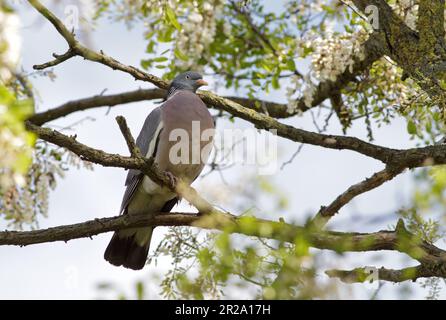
[[172, 179]]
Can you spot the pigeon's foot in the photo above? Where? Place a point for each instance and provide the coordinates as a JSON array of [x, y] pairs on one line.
[[173, 180]]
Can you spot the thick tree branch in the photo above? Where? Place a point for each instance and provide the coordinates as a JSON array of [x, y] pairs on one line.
[[430, 24], [415, 56], [368, 184], [398, 240]]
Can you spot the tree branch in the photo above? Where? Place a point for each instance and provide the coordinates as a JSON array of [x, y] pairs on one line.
[[400, 40], [60, 27], [134, 150], [275, 110], [371, 274], [373, 49], [413, 55], [58, 59], [386, 240], [397, 240], [95, 102], [376, 180], [261, 121], [91, 55], [147, 166], [430, 24], [401, 158]]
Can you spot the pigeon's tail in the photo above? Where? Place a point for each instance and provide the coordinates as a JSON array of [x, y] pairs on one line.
[[129, 248]]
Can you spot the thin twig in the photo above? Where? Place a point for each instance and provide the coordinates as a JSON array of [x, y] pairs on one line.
[[58, 60], [133, 148]]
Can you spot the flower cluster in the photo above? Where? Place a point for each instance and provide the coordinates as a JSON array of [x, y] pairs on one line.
[[21, 204], [408, 11], [334, 55], [9, 44], [331, 56], [197, 32], [14, 141]]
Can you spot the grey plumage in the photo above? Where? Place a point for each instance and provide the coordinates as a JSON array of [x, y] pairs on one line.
[[147, 134], [129, 248]]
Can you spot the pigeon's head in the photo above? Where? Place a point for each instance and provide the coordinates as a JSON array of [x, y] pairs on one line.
[[187, 81]]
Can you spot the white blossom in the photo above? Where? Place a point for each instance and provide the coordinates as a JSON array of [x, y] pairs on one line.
[[10, 43], [332, 56], [198, 32]]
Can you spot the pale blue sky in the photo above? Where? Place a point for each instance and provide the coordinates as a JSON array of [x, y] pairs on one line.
[[72, 270]]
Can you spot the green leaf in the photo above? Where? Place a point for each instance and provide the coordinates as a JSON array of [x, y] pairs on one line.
[[146, 64], [140, 290], [411, 127], [160, 59], [171, 17], [275, 82], [166, 35], [180, 55], [291, 65]]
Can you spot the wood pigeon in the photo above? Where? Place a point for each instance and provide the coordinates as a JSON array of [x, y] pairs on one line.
[[182, 110]]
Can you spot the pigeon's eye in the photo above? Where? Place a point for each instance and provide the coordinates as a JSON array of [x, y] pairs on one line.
[[187, 77]]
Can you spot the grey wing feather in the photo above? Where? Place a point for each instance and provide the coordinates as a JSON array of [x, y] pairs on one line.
[[147, 134]]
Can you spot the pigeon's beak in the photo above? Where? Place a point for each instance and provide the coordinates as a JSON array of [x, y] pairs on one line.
[[201, 82]]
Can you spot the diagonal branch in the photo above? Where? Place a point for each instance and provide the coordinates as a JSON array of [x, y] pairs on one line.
[[414, 55], [400, 239], [147, 166], [133, 148], [373, 51], [60, 27], [91, 55], [261, 121], [376, 180]]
